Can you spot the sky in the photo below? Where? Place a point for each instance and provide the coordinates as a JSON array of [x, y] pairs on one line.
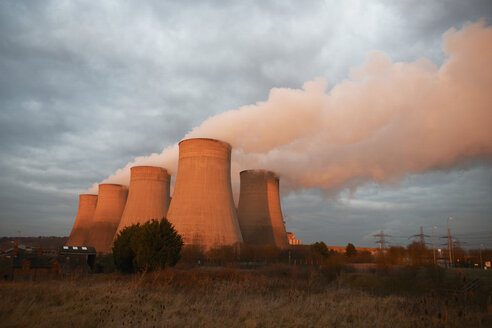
[[374, 114]]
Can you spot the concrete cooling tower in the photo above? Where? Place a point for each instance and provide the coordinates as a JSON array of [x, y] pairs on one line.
[[148, 196], [259, 212], [83, 221], [202, 208], [110, 204]]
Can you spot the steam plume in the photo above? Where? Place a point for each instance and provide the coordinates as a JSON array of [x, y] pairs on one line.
[[385, 121]]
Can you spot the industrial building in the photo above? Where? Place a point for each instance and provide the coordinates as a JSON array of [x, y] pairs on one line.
[[83, 221], [292, 239], [259, 213], [110, 204], [202, 208], [148, 196]]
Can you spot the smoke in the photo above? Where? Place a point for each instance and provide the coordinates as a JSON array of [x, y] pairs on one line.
[[383, 122]]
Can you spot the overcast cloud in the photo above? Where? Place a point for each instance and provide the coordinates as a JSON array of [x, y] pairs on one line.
[[85, 87]]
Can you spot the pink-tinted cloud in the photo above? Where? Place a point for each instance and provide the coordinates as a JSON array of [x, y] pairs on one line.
[[383, 122]]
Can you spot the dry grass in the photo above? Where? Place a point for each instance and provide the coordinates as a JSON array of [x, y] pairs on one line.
[[221, 297]]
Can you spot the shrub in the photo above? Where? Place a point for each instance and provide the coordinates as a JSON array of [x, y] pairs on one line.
[[363, 257], [123, 250], [154, 244], [267, 253], [419, 254], [193, 254], [223, 254], [104, 263], [396, 255]]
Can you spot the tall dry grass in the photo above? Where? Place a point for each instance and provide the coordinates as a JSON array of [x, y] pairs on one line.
[[279, 296]]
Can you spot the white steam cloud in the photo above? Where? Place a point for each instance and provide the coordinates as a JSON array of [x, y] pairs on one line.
[[385, 121]]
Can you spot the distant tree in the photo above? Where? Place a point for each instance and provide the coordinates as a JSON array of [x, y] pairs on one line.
[[363, 256], [321, 249], [350, 250], [419, 254], [154, 244], [396, 255]]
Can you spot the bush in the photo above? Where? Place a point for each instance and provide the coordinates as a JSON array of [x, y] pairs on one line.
[[223, 254], [123, 250], [147, 247], [193, 254], [263, 253], [104, 263]]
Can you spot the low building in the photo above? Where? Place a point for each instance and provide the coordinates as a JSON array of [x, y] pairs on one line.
[[292, 239], [77, 259], [38, 264]]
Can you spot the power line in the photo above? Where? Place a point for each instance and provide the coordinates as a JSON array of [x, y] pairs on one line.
[[421, 236], [382, 242]]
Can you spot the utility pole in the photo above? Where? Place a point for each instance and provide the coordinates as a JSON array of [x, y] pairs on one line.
[[421, 241], [433, 245], [481, 266], [449, 242], [382, 242], [421, 237]]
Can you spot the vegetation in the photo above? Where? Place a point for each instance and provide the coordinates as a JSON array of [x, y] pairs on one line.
[[251, 286], [154, 244], [321, 249], [350, 250], [269, 296]]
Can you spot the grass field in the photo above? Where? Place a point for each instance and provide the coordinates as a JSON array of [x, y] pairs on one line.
[[274, 296]]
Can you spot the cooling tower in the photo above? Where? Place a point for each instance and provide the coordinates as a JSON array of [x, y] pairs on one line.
[[148, 196], [259, 212], [202, 208], [110, 204], [83, 221]]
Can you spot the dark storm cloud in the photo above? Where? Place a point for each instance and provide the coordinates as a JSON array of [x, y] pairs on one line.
[[87, 86], [421, 23], [30, 211], [420, 200]]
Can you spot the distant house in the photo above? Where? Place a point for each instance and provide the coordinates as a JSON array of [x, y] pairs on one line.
[[18, 249], [33, 267], [34, 264]]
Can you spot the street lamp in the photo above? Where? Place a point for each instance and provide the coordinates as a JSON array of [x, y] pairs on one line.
[[449, 242]]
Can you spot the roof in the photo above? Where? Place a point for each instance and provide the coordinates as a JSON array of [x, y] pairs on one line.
[[77, 250], [35, 261]]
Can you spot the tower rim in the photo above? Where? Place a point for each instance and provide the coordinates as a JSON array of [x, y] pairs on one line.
[[226, 144]]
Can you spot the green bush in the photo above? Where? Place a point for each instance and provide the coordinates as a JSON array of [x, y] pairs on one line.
[[123, 250], [154, 244]]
